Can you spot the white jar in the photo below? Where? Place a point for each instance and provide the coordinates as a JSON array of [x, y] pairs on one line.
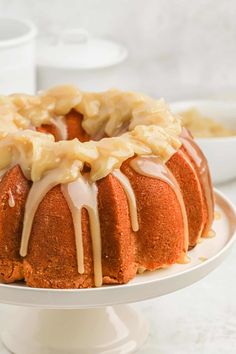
[[75, 57], [17, 56]]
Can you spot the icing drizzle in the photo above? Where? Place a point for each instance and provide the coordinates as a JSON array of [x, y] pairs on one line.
[[36, 194], [152, 166], [83, 194], [199, 159], [130, 196]]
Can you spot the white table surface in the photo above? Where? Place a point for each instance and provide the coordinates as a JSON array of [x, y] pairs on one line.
[[198, 319]]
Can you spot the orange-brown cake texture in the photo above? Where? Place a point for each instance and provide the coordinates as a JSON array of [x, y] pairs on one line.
[[83, 206]]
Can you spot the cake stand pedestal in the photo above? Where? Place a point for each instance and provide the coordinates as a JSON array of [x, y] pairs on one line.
[[118, 329], [89, 321]]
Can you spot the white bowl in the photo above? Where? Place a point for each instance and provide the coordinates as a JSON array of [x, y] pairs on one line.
[[220, 151]]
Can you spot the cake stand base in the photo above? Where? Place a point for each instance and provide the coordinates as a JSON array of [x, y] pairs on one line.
[[110, 330]]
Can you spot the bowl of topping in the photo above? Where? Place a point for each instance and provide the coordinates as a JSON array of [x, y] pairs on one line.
[[213, 124]]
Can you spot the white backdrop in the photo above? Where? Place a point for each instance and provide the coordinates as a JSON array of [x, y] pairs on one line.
[[178, 48]]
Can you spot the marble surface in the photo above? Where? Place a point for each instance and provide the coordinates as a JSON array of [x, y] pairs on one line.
[[197, 319]]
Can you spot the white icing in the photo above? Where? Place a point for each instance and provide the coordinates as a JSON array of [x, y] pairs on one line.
[[200, 160], [83, 194], [36, 194], [130, 196], [60, 124], [152, 166], [11, 200]]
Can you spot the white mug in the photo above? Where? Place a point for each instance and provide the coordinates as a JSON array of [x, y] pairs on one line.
[[17, 56]]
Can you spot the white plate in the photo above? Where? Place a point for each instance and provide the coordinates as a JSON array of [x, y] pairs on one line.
[[145, 286]]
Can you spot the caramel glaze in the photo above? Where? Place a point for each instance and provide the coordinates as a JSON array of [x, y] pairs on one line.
[[200, 161]]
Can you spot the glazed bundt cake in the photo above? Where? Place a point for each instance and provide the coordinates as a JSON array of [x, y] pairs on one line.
[[96, 187]]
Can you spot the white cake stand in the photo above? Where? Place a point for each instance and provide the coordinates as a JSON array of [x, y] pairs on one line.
[[93, 321]]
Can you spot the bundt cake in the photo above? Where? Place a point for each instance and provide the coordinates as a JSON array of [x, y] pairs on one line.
[[96, 187]]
